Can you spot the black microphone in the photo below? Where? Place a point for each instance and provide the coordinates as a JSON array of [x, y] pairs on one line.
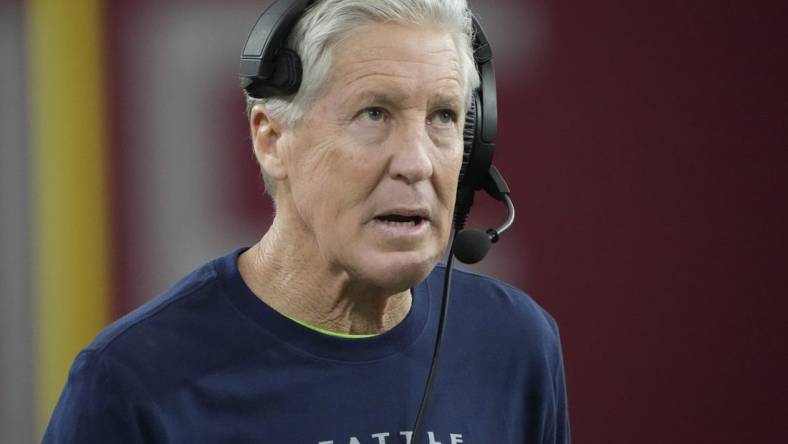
[[471, 246]]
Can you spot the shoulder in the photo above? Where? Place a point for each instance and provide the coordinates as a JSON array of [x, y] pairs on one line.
[[198, 284], [500, 306], [183, 333], [94, 406], [144, 356], [176, 335]]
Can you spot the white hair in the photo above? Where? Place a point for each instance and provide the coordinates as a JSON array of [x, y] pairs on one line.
[[326, 22]]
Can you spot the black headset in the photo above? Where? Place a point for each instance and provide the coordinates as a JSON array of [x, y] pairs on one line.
[[270, 69]]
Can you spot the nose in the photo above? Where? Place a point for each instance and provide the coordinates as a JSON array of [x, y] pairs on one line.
[[411, 161]]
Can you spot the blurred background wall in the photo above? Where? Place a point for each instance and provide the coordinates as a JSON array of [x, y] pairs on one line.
[[645, 144], [16, 295]]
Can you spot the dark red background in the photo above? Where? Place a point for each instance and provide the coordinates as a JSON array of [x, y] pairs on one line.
[[655, 215], [647, 153]]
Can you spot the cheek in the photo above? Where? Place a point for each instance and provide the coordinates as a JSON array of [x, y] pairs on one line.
[[448, 164], [331, 181], [355, 178]]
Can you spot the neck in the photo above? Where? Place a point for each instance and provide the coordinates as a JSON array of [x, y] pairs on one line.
[[286, 271]]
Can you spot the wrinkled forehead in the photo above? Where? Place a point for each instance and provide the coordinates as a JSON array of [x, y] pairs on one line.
[[398, 60]]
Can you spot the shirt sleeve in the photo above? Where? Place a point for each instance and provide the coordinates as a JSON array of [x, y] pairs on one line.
[[96, 405], [561, 433]]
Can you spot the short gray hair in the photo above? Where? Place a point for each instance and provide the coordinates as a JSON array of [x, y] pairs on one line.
[[325, 23]]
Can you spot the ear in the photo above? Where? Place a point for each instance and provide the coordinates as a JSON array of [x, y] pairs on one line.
[[266, 139]]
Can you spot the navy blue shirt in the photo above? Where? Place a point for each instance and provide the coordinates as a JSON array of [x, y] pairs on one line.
[[209, 362]]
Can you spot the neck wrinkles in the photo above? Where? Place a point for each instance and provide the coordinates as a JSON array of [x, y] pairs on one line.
[[287, 272]]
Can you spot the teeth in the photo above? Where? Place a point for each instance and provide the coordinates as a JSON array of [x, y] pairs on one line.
[[401, 224]]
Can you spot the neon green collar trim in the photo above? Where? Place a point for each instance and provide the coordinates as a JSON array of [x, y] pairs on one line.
[[329, 332]]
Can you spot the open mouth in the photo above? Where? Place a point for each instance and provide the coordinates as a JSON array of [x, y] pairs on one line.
[[401, 220]]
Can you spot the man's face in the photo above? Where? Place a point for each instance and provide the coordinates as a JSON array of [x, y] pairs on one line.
[[372, 168]]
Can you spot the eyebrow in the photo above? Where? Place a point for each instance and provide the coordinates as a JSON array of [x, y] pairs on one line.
[[393, 98], [447, 101], [388, 97]]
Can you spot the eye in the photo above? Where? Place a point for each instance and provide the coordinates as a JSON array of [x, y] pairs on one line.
[[443, 118], [374, 114]]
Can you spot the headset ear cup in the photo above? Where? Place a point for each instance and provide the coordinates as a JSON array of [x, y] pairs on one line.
[[465, 187], [468, 138]]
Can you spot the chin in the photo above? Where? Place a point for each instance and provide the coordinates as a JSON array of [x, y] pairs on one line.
[[397, 271]]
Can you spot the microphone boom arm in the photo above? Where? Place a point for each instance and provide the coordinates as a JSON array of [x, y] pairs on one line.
[[495, 233], [498, 189]]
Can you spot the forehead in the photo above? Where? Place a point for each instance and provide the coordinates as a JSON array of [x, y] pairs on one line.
[[401, 59]]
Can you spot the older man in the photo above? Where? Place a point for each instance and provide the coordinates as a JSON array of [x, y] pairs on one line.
[[323, 331]]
